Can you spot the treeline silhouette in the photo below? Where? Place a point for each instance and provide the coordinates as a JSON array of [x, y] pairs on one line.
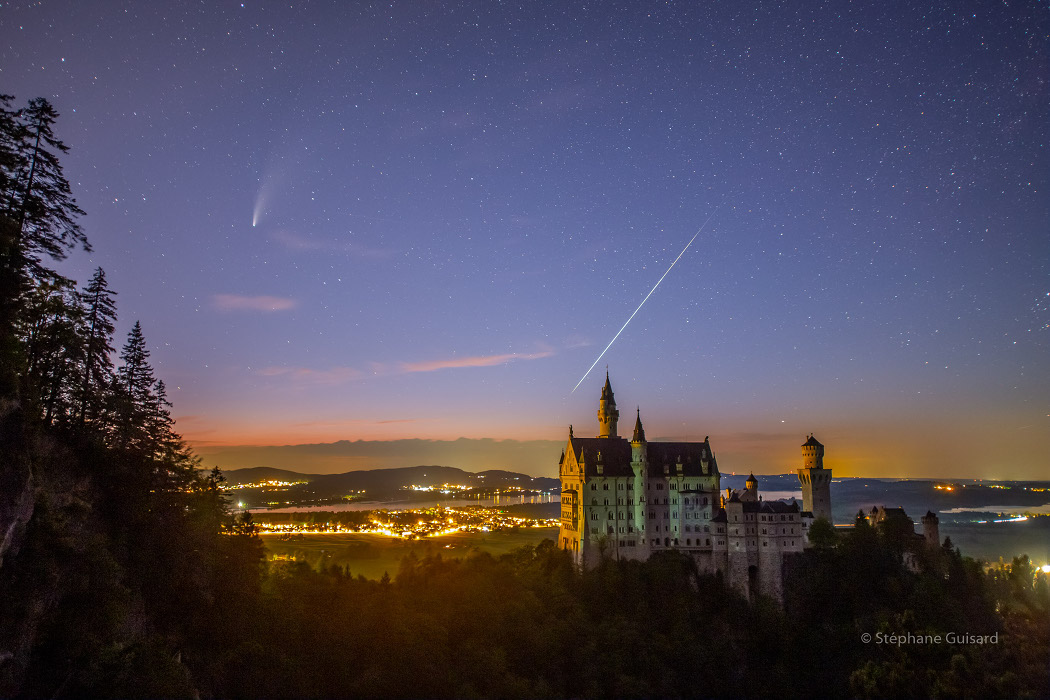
[[120, 562], [124, 573]]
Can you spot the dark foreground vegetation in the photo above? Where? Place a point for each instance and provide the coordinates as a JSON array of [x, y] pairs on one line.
[[123, 572]]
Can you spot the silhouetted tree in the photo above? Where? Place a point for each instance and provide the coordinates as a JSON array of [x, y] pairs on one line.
[[822, 534], [51, 348], [144, 424], [38, 215], [100, 315]]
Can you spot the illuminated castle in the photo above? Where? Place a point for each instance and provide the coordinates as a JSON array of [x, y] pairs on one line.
[[627, 499]]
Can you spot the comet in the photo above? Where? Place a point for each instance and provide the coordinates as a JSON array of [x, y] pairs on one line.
[[702, 226]]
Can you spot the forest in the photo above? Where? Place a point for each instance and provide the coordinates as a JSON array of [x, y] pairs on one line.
[[125, 572]]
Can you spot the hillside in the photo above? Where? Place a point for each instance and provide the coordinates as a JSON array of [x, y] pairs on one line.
[[378, 484]]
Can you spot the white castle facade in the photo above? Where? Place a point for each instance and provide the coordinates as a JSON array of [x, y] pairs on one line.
[[627, 499]]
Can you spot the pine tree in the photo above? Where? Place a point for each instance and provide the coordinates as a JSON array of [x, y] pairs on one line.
[[144, 423], [10, 261], [133, 392], [43, 204], [51, 350], [100, 315], [38, 215]]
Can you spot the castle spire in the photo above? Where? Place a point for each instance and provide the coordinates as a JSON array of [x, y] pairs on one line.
[[607, 413], [639, 431]]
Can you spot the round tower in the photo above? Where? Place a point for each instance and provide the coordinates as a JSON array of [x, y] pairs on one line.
[[607, 413], [812, 454], [931, 529], [751, 484], [815, 480]]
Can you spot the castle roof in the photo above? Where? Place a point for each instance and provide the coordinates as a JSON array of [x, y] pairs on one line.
[[690, 455], [811, 442], [639, 431], [780, 507], [607, 392], [616, 455]]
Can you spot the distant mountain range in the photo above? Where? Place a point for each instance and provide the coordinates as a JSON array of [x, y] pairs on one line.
[[380, 484]]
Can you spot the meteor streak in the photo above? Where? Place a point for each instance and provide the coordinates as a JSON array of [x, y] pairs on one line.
[[644, 300]]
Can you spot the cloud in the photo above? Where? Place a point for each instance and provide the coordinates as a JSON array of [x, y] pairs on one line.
[[337, 375], [350, 423], [240, 302], [295, 241], [478, 361]]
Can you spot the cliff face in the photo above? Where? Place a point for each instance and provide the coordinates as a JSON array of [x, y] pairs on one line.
[[17, 492]]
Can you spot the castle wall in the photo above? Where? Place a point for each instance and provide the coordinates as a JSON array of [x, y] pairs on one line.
[[616, 505]]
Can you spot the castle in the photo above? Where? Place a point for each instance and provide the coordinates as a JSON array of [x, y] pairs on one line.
[[629, 499]]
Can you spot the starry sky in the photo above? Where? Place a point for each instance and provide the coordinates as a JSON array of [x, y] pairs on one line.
[[351, 221]]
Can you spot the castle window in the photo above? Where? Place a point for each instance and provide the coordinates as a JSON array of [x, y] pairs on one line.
[[666, 515], [652, 515], [675, 541], [764, 543], [705, 501], [688, 543], [605, 487], [674, 501], [630, 486], [594, 501], [620, 486], [660, 487], [594, 487], [610, 529], [673, 486], [708, 541], [763, 531], [594, 516], [610, 515], [674, 514], [606, 502]]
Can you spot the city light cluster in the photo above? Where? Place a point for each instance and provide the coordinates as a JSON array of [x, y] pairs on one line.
[[265, 484], [456, 489], [443, 488], [414, 524]]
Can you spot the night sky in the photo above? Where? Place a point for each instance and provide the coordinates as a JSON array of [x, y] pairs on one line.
[[426, 220]]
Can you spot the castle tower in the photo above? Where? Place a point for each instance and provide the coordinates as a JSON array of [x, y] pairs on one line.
[[752, 484], [607, 413], [815, 480], [931, 529], [638, 441]]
